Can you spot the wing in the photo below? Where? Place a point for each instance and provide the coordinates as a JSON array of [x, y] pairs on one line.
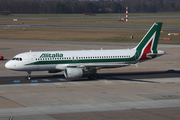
[[98, 65]]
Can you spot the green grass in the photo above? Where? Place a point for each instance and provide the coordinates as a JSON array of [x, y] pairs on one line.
[[169, 22], [94, 35], [81, 15], [85, 35], [147, 22]]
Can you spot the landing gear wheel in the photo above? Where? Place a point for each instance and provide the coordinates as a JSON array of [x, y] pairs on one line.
[[29, 75], [91, 77]]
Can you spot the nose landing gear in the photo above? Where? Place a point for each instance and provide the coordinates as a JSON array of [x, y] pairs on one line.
[[29, 75]]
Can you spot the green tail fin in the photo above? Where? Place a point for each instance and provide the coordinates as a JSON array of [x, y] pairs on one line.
[[149, 42]]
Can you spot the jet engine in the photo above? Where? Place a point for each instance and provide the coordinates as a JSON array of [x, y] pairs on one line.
[[73, 72]]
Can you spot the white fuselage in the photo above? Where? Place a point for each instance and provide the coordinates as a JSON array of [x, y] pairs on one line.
[[59, 60]]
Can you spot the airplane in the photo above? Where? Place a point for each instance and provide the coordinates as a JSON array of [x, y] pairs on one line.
[[77, 63]]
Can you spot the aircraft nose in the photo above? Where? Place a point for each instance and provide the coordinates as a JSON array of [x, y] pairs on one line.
[[8, 65]]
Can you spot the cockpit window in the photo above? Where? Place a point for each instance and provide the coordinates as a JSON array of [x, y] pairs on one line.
[[17, 59]]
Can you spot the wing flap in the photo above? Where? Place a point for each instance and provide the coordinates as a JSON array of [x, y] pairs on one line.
[[98, 65]]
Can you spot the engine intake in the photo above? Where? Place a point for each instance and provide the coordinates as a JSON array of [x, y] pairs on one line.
[[73, 72]]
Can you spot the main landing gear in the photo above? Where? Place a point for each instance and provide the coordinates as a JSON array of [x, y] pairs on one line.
[[91, 77], [91, 74], [29, 75]]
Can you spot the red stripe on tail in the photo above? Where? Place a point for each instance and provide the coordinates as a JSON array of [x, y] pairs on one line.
[[146, 50]]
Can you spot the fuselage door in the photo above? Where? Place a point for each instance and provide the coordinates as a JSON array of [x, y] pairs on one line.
[[31, 58]]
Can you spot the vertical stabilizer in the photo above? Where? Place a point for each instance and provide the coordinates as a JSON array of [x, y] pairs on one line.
[[149, 42]]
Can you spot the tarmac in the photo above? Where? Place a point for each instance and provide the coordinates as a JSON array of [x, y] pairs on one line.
[[149, 91]]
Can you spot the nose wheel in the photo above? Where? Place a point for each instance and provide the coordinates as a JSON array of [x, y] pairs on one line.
[[29, 75]]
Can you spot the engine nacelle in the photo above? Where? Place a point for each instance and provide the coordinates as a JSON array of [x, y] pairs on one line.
[[73, 72]]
